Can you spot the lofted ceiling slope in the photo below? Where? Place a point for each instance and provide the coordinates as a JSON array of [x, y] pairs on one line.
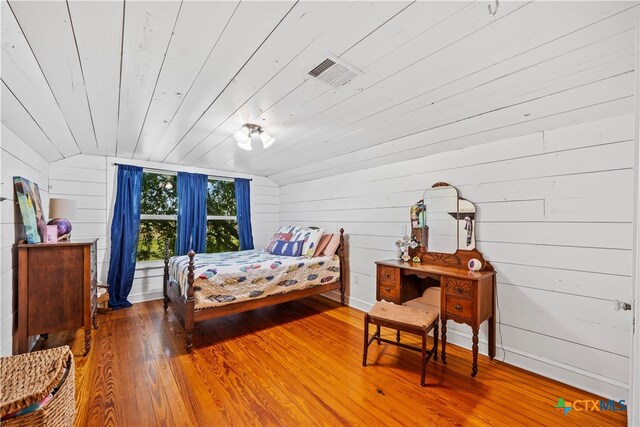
[[170, 81]]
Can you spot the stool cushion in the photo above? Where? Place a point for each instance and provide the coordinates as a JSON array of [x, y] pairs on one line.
[[431, 296], [421, 304], [402, 314]]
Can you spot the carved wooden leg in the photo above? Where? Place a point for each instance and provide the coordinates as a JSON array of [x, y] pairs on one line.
[[94, 320], [366, 339], [443, 336], [378, 333], [188, 332], [342, 297], [87, 341], [435, 341], [190, 306], [165, 277], [398, 336], [474, 366], [188, 340]]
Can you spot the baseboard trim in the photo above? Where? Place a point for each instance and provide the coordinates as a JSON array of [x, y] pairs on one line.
[[149, 296]]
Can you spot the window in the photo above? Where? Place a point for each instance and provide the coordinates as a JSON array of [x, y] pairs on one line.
[[158, 215], [222, 225], [159, 210]]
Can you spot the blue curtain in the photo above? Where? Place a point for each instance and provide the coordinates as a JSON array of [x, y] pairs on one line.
[[192, 213], [243, 211], [124, 235]]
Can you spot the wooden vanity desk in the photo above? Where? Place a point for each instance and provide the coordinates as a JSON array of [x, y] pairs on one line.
[[466, 297]]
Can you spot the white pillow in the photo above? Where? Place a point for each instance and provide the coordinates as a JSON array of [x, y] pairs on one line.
[[311, 238]]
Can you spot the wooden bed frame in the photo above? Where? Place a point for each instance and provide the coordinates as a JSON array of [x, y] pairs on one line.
[[189, 316]]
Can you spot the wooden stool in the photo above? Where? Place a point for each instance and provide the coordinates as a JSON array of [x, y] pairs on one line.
[[406, 319]]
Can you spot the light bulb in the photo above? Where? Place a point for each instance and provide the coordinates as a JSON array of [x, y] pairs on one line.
[[242, 136], [267, 140], [245, 145]]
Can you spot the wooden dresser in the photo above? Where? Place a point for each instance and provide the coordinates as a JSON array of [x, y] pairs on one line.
[[56, 289], [466, 296]]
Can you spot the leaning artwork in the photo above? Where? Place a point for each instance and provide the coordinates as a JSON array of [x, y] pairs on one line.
[[28, 198]]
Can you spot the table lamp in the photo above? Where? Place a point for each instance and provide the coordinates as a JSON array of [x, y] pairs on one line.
[[62, 211]]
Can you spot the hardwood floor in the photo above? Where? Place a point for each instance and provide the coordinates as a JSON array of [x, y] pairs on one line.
[[299, 363]]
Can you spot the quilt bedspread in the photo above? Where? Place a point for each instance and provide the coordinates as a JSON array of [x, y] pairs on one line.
[[230, 277]]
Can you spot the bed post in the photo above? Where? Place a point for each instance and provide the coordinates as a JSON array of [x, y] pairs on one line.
[[342, 268], [190, 305], [165, 280]]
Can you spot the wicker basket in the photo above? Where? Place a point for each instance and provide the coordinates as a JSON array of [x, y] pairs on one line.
[[31, 377]]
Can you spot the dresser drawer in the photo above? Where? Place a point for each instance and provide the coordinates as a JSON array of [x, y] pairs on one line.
[[459, 307], [388, 291], [388, 283], [388, 274], [462, 288]]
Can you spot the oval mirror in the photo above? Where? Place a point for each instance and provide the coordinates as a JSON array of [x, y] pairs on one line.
[[441, 219]]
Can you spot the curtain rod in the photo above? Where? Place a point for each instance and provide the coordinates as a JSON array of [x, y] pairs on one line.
[[172, 172]]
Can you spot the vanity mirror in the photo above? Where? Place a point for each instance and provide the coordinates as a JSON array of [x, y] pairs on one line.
[[441, 218], [443, 221]]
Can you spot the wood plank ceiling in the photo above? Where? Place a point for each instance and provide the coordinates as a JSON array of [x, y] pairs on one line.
[[170, 81]]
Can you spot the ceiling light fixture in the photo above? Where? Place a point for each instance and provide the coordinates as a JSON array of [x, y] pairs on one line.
[[245, 133]]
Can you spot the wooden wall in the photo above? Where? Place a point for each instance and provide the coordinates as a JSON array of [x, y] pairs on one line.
[[83, 178], [554, 218], [91, 181], [16, 159], [633, 416]]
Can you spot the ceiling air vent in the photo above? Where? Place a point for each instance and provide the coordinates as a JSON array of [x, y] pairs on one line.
[[331, 73]]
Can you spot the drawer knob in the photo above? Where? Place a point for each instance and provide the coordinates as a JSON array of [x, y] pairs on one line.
[[458, 307], [458, 289], [387, 289]]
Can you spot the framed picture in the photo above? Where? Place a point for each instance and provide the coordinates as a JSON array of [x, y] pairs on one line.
[[28, 198]]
